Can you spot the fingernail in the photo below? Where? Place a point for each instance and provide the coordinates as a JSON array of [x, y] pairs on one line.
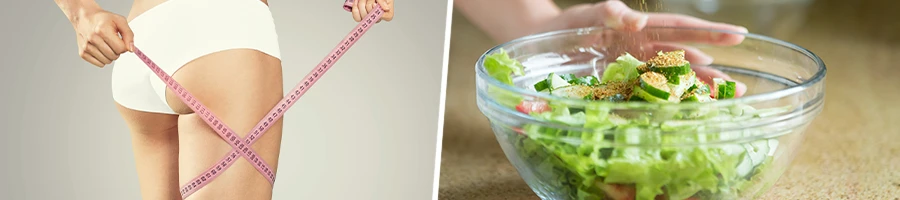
[[635, 20], [718, 36], [740, 88], [613, 23]]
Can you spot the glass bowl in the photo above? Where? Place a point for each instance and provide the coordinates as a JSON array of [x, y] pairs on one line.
[[727, 149]]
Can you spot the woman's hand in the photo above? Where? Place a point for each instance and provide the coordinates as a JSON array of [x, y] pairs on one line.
[[361, 8], [102, 36], [617, 15]]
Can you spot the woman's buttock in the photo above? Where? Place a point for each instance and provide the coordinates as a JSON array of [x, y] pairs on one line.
[[173, 33], [141, 6]]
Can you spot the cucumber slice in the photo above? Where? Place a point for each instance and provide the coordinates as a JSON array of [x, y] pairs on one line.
[[724, 89], [542, 85], [702, 88], [642, 94], [691, 98], [634, 97], [655, 84], [686, 82], [643, 68], [553, 81], [697, 92], [671, 64], [696, 97], [556, 81], [679, 79], [672, 70], [573, 91], [692, 88]]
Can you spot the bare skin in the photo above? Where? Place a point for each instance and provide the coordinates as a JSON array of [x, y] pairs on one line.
[[170, 150], [240, 86], [154, 139]]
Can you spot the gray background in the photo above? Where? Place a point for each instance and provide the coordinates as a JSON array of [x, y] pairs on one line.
[[367, 130]]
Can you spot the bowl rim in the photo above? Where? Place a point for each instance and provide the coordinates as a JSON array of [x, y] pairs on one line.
[[800, 87]]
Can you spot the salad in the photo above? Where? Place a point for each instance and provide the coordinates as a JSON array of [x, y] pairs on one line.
[[609, 154]]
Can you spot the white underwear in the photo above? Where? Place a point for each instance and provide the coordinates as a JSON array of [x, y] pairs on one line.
[[176, 32]]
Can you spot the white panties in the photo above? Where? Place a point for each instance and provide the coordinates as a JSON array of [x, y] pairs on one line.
[[176, 32]]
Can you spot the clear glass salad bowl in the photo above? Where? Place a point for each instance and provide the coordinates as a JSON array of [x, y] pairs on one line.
[[580, 149]]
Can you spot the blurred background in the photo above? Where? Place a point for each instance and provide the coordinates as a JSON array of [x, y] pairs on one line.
[[851, 150]]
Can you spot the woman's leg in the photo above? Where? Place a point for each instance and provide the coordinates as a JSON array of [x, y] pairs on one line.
[[154, 138], [240, 86]]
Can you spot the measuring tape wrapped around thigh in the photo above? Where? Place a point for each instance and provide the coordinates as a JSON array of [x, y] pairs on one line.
[[242, 146]]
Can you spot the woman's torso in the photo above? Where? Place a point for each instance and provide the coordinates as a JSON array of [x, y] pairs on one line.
[[141, 6]]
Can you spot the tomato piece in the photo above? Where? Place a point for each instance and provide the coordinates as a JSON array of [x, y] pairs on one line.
[[518, 130], [528, 107], [618, 192]]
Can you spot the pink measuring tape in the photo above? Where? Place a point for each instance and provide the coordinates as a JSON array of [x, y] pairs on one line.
[[241, 146]]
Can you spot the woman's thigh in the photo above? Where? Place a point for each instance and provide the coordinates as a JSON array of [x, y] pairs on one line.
[[239, 86], [154, 139]]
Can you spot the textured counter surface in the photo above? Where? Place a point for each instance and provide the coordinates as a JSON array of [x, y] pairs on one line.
[[851, 151]]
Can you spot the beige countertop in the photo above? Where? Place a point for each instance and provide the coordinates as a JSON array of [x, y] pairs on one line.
[[851, 151]]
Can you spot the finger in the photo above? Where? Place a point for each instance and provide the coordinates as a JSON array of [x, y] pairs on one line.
[[90, 59], [355, 12], [115, 43], [682, 35], [706, 74], [386, 5], [387, 16], [94, 52], [361, 5], [348, 7], [106, 52], [388, 8], [125, 32], [370, 5], [619, 16]]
